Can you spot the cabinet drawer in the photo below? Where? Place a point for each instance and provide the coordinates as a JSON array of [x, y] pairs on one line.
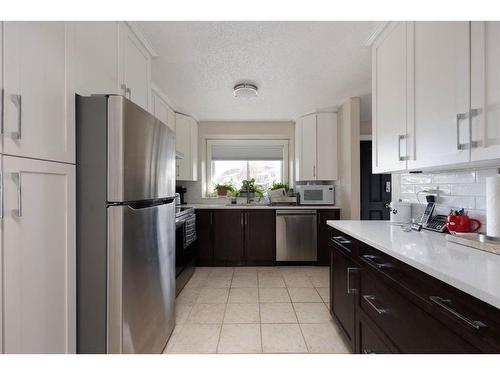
[[369, 341], [472, 319], [346, 243], [410, 328]]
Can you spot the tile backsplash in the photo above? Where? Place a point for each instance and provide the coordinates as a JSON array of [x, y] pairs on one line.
[[457, 189]]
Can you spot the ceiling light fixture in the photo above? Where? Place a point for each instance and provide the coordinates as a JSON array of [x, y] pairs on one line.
[[245, 90]]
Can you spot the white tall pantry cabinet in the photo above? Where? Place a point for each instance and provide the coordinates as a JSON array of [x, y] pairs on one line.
[[38, 200]]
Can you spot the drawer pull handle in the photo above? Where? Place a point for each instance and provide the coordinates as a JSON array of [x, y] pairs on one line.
[[370, 259], [342, 240], [349, 289], [442, 302], [370, 299], [368, 351]]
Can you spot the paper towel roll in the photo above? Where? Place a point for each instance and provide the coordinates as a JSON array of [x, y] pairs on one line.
[[493, 206]]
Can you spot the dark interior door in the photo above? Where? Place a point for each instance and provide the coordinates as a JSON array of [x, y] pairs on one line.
[[375, 188]]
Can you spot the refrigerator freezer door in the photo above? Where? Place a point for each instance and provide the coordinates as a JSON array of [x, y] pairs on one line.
[[141, 154], [141, 278]]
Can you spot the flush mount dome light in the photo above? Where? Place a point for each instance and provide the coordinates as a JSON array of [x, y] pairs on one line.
[[245, 90]]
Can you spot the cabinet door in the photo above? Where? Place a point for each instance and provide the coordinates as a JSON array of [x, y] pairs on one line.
[[369, 342], [92, 58], [135, 65], [441, 82], [228, 237], [160, 109], [307, 148], [36, 123], [39, 256], [186, 142], [485, 90], [342, 289], [260, 237], [324, 235], [389, 101], [204, 246], [326, 144]]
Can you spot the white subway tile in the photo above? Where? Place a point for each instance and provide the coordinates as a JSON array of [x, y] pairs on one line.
[[457, 202], [483, 173], [481, 203], [408, 189], [468, 189], [415, 179], [455, 177]]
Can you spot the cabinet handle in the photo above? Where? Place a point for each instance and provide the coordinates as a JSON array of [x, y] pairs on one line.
[[472, 113], [129, 91], [349, 289], [368, 351], [242, 220], [400, 138], [246, 218], [319, 217], [442, 302], [314, 171], [17, 100], [369, 299], [461, 116], [211, 218], [18, 177], [370, 259]]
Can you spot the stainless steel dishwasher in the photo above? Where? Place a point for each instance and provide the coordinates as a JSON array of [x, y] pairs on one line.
[[296, 235]]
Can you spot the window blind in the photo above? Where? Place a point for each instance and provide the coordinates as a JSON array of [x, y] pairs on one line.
[[247, 152]]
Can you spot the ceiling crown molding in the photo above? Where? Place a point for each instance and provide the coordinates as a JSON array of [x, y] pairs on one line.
[[378, 30], [139, 34]]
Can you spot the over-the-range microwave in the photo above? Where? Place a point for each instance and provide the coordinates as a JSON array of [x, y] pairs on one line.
[[316, 194]]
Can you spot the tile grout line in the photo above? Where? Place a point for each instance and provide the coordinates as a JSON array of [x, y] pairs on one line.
[[224, 316], [296, 316]]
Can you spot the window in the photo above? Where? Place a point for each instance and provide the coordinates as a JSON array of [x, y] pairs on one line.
[[238, 160]]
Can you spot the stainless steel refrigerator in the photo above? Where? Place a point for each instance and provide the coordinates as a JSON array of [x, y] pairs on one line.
[[125, 227]]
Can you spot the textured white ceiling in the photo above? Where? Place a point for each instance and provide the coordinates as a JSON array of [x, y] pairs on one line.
[[299, 67]]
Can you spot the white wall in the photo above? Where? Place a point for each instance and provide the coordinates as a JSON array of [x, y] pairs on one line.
[[235, 130], [348, 184]]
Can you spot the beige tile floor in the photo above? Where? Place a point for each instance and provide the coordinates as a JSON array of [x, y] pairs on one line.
[[256, 310]]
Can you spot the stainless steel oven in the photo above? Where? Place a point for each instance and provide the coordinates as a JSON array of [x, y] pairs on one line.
[[185, 245]]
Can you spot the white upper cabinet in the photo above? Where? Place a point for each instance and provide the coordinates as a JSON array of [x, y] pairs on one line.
[[161, 109], [485, 90], [135, 68], [439, 75], [93, 58], [305, 137], [326, 146], [186, 143], [449, 114], [316, 147], [389, 99], [35, 98], [39, 266]]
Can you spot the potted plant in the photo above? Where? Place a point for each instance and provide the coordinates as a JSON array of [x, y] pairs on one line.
[[225, 189], [249, 189], [280, 185]]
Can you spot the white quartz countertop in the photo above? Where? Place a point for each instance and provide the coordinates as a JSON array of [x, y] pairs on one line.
[[208, 206], [473, 271]]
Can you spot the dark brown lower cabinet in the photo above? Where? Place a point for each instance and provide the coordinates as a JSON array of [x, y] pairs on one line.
[[204, 246], [369, 342], [260, 237], [386, 306], [324, 234], [232, 237], [343, 291], [228, 229]]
